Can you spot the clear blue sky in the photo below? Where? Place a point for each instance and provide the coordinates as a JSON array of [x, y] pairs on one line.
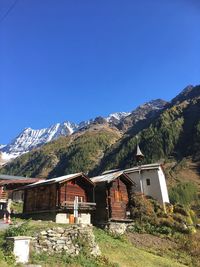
[[74, 60]]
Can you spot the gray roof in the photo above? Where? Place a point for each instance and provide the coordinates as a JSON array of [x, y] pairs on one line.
[[58, 180], [136, 168], [143, 167], [109, 177], [11, 177]]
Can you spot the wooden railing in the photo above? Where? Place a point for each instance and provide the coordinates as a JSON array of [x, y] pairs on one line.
[[81, 205]]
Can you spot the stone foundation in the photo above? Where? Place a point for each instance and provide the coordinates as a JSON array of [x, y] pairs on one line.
[[84, 218]]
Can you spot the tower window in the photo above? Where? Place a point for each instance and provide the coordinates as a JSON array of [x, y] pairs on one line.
[[148, 181]]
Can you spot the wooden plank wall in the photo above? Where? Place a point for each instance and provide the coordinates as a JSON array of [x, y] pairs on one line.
[[40, 198], [118, 199], [76, 187]]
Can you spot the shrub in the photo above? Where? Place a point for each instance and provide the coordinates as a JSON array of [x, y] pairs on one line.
[[168, 222], [179, 218], [16, 230], [181, 209], [142, 208]]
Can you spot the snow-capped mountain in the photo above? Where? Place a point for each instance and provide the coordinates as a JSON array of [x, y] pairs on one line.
[[143, 112], [113, 120], [29, 138], [117, 117]]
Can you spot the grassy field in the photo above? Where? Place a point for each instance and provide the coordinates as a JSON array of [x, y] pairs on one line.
[[116, 252], [122, 252]]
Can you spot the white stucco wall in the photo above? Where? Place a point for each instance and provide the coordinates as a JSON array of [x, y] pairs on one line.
[[163, 185], [157, 188]]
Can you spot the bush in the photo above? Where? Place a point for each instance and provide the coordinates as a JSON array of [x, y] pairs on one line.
[[181, 209], [152, 229], [166, 222], [142, 208], [179, 218], [136, 228], [17, 230]]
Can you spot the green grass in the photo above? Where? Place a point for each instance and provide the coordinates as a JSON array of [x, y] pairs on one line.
[[116, 252], [123, 253]]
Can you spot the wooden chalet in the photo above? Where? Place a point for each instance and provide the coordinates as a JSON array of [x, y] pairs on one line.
[[8, 185], [54, 199], [112, 194]]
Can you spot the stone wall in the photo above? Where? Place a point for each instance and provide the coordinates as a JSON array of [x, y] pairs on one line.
[[72, 240]]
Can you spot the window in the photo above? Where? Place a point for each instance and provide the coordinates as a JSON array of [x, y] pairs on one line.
[[148, 181]]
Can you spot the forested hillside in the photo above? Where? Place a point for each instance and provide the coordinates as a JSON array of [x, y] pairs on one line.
[[174, 134], [171, 135], [80, 152]]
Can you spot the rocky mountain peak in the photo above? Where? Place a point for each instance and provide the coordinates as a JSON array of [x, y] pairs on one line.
[[30, 138], [188, 93], [143, 112]]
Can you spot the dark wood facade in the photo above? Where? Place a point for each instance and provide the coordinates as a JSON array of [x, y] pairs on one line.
[[8, 186], [57, 195], [112, 199]]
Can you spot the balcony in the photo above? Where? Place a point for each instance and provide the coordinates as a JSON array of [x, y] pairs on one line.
[[81, 205]]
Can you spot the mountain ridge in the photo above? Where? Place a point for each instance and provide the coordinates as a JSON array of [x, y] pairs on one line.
[[170, 134], [30, 138]]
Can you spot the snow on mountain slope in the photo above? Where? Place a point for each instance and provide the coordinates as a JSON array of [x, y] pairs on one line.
[[113, 118], [30, 138], [117, 117]]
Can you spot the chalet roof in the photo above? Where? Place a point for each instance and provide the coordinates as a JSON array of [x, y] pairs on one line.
[[12, 177], [19, 181], [110, 177], [60, 179]]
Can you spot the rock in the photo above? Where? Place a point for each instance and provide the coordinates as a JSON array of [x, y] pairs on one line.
[[60, 241], [117, 228], [95, 251], [60, 230], [43, 233]]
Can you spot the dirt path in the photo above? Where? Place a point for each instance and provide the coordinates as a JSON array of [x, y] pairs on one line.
[[151, 242]]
